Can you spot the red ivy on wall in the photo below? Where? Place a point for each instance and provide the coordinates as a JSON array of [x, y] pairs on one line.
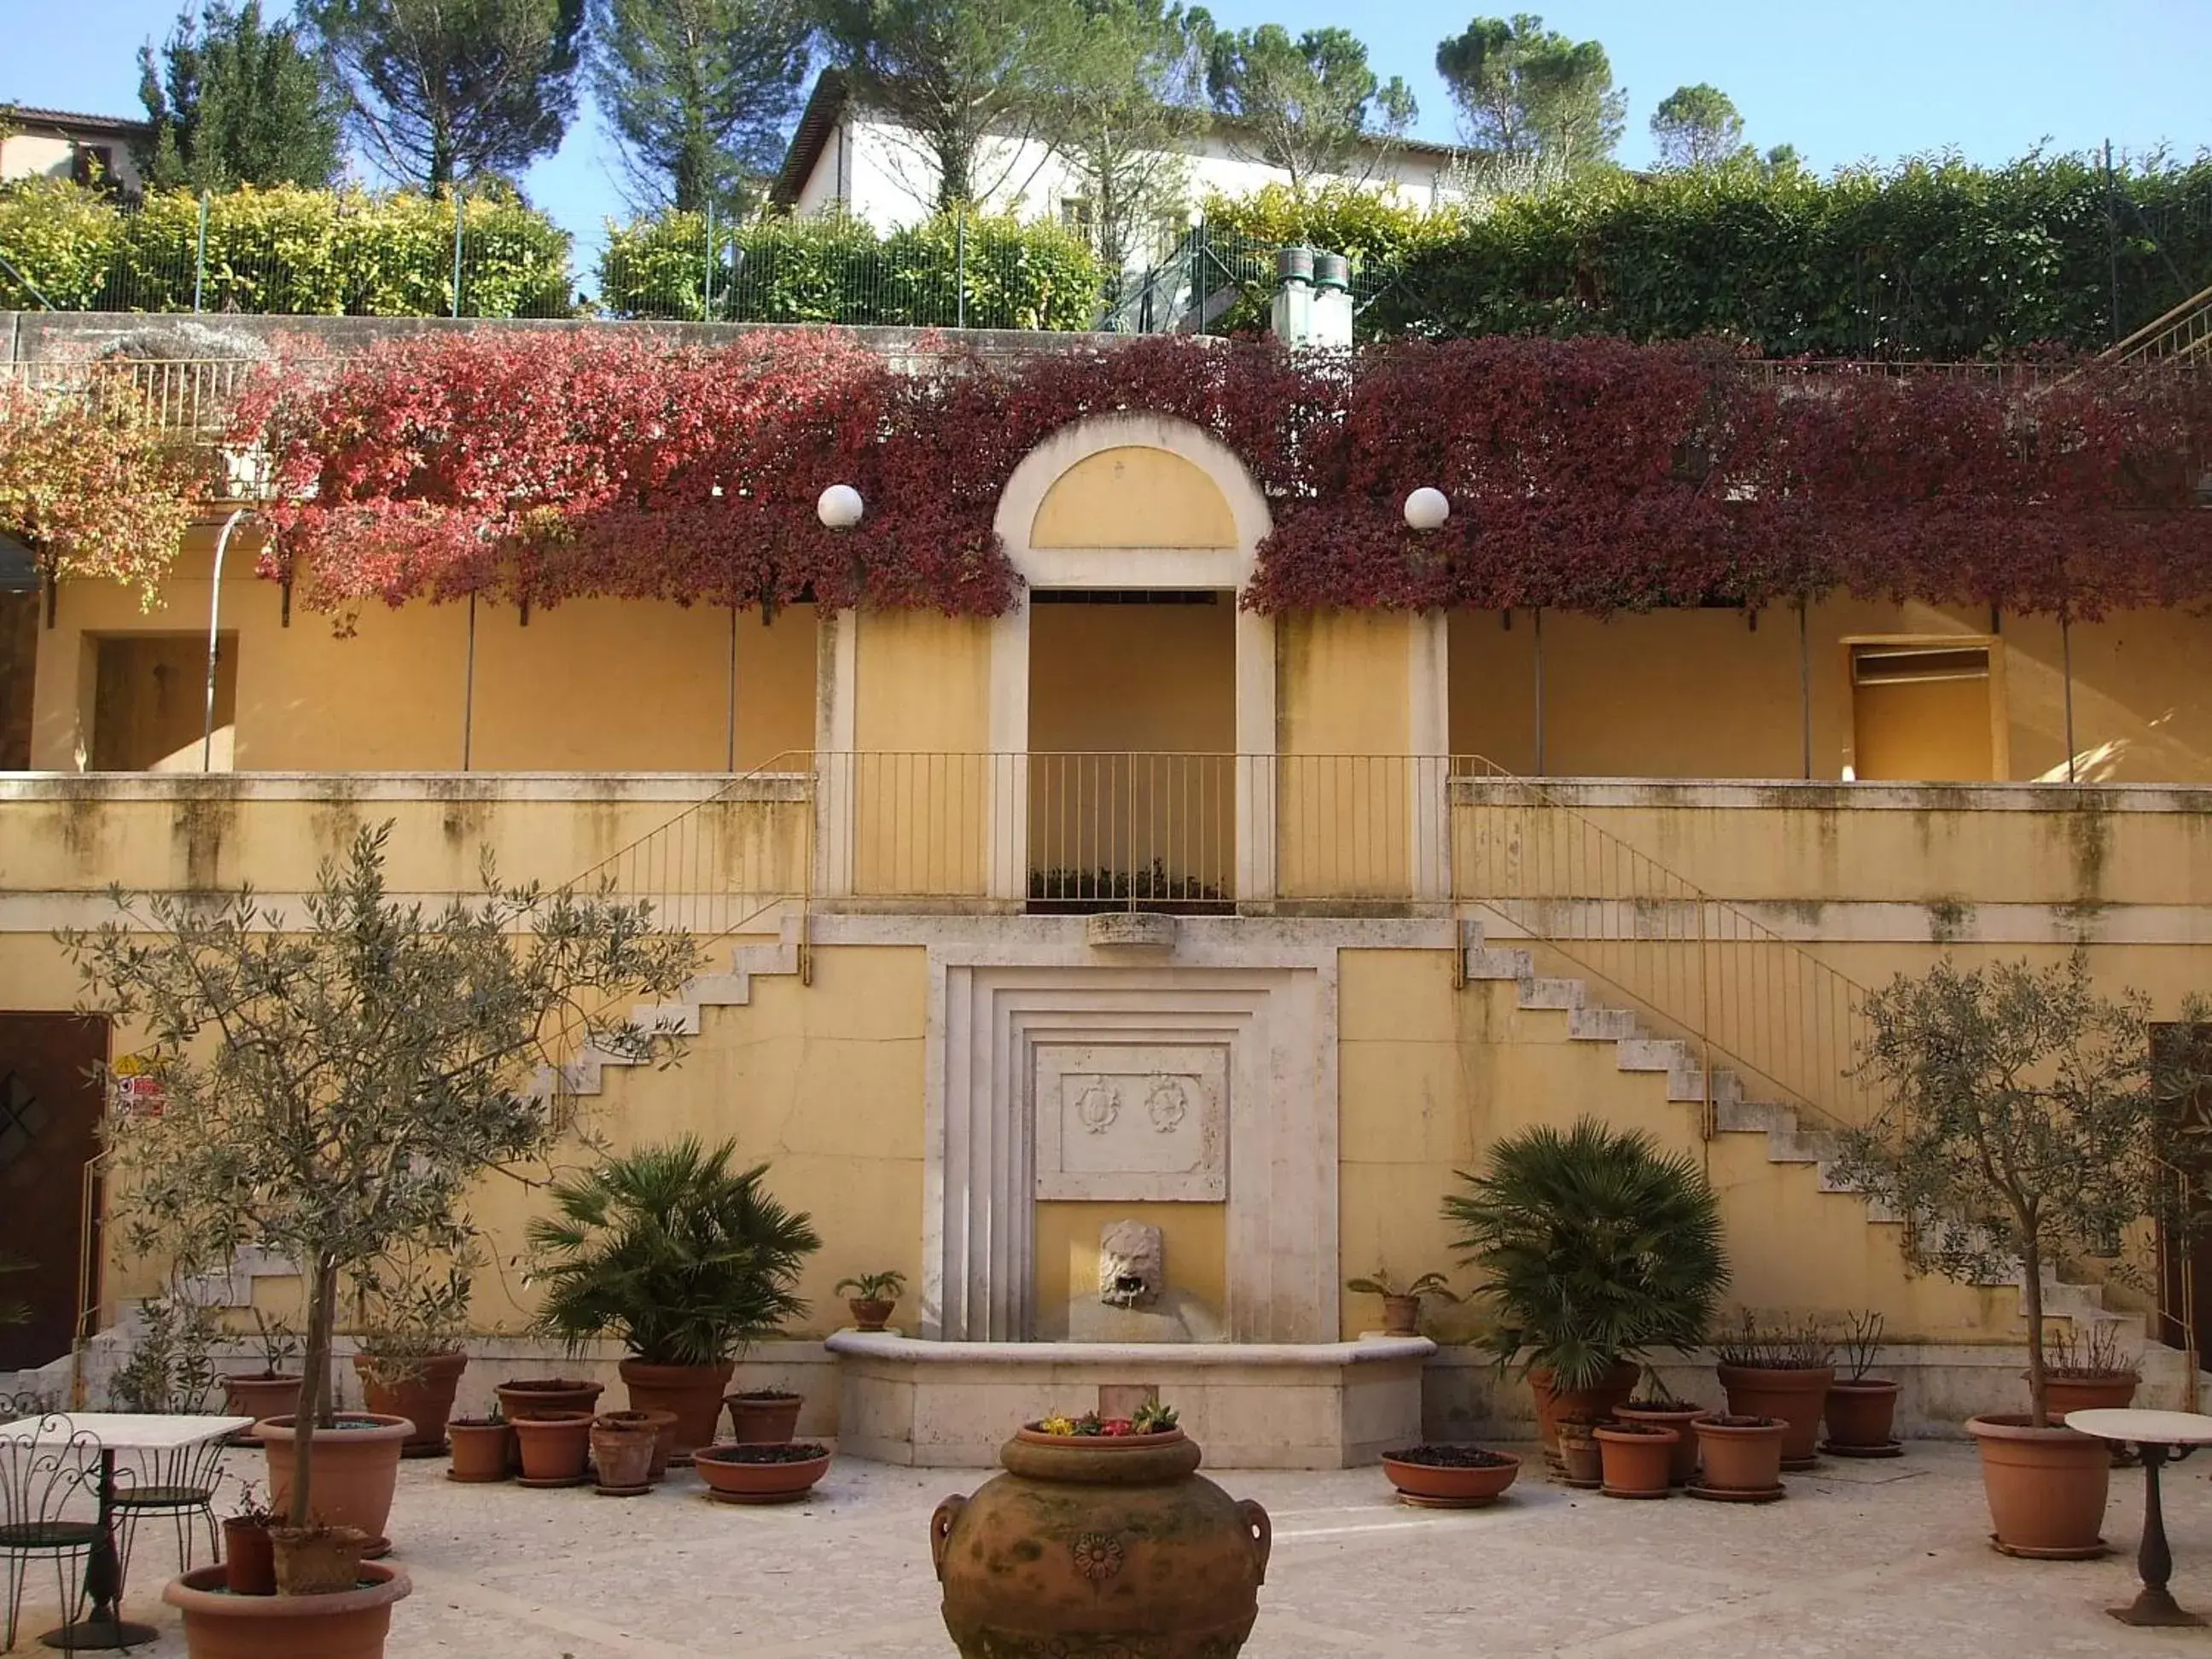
[[1586, 474]]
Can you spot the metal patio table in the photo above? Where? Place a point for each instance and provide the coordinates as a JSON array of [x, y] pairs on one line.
[[2162, 1438], [105, 1627]]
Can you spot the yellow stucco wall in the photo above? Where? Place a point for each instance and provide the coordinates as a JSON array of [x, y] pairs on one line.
[[591, 685], [1134, 496], [1701, 693], [921, 779], [1343, 723]]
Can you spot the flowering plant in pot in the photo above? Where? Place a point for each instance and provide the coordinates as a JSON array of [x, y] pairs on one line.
[[1780, 1369], [338, 1077], [684, 1258], [1861, 1408], [872, 1297], [1402, 1309], [2020, 1123], [1594, 1247]]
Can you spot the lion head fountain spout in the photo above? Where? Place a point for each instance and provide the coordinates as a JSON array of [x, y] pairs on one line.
[[1131, 1265]]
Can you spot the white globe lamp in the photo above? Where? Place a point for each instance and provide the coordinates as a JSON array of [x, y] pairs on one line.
[[839, 508], [1426, 509]]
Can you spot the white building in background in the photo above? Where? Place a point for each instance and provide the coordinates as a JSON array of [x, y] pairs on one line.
[[845, 158], [55, 143]]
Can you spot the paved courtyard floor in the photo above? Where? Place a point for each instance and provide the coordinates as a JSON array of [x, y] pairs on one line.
[[1862, 1559]]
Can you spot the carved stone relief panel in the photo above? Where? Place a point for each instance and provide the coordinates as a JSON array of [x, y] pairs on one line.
[[1131, 1121]]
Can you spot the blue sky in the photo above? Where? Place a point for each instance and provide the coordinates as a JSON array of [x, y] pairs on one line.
[[1848, 80]]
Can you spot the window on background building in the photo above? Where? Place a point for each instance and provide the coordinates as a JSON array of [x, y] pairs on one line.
[[93, 165], [1924, 711], [1078, 214]]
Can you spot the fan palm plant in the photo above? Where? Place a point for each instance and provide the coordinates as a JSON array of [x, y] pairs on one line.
[[1596, 1247], [684, 1258]]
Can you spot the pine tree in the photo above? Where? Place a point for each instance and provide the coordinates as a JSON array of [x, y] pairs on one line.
[[1527, 93], [446, 89], [1309, 105], [1697, 127], [237, 101], [1126, 117], [699, 92]]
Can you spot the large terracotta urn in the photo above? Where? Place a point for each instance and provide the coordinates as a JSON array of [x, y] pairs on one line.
[[1098, 1546]]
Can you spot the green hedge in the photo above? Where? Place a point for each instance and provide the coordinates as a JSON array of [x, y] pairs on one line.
[[1932, 259], [836, 270], [281, 252]]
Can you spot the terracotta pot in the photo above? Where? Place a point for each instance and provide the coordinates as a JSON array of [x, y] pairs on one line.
[[871, 1314], [2089, 1392], [1098, 1546], [1861, 1415], [1401, 1315], [779, 1475], [257, 1394], [538, 1396], [421, 1392], [249, 1558], [1591, 1405], [1581, 1459], [351, 1625], [316, 1560], [554, 1447], [663, 1425], [1639, 1459], [1797, 1397], [692, 1393], [1445, 1486], [356, 1465], [621, 1452], [763, 1418], [1679, 1418], [482, 1449], [1740, 1454], [2046, 1487]]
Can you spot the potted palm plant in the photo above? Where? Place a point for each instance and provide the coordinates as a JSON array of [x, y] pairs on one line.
[[1594, 1247], [2020, 1123], [338, 1077], [684, 1259], [1402, 1309], [872, 1298]]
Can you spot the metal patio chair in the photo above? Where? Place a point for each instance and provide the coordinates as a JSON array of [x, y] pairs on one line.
[[179, 1485], [39, 1486]]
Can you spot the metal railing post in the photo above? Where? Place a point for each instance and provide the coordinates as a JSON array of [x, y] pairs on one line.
[[199, 261], [960, 266], [456, 248], [707, 311]]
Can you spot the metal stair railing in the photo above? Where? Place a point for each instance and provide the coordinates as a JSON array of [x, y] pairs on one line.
[[2184, 333], [1792, 1027]]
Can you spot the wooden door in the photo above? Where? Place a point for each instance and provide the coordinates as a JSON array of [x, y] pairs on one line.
[[51, 1099]]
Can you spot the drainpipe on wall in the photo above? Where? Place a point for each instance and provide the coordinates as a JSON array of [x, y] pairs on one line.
[[215, 626]]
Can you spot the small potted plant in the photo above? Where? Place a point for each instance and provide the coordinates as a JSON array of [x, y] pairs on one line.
[[1637, 1458], [249, 1558], [2021, 1124], [1742, 1458], [410, 1360], [273, 1389], [1780, 1371], [1402, 1309], [872, 1297], [2088, 1372], [521, 1397], [1450, 1477], [684, 1259], [1582, 1462], [1657, 1407], [555, 1448], [623, 1444], [1861, 1409], [663, 1426], [1594, 1248], [778, 1473], [484, 1447]]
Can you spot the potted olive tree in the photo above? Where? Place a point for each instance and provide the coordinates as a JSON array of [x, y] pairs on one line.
[[1594, 1247], [683, 1259], [2020, 1127], [338, 1078]]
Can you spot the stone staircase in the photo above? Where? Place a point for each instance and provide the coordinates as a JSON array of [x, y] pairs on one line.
[[585, 1075], [1788, 1140]]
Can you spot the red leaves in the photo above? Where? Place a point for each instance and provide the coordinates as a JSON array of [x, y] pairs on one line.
[[1590, 474]]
